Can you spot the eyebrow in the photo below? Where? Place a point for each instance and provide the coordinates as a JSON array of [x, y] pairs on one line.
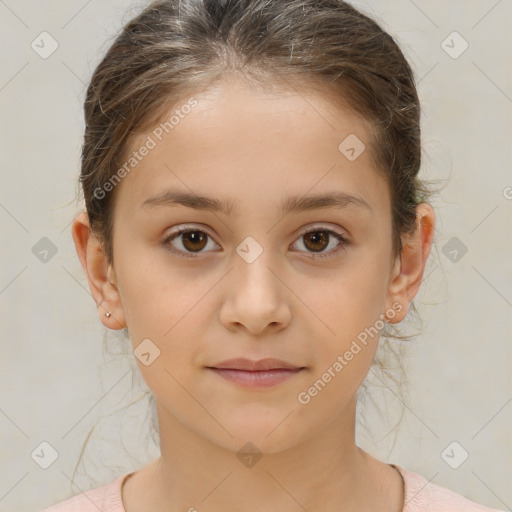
[[293, 204]]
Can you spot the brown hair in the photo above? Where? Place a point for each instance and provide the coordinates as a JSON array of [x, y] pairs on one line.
[[176, 48]]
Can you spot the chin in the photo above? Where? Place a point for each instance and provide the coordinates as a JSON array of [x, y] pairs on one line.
[[269, 435]]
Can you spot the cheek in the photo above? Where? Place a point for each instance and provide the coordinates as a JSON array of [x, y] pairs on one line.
[[345, 359], [154, 293], [347, 300], [171, 313], [333, 384], [345, 355], [348, 308]]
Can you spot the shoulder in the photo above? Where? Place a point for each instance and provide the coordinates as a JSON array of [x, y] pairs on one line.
[[106, 498], [422, 496]]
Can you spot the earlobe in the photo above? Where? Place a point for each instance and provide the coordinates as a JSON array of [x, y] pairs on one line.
[[100, 275], [410, 265]]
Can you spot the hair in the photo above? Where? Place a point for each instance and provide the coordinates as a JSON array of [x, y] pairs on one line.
[[176, 48]]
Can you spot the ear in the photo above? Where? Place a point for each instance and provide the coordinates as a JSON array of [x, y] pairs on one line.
[[100, 274], [409, 266]]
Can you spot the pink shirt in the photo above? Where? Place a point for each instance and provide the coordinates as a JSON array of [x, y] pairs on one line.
[[420, 496]]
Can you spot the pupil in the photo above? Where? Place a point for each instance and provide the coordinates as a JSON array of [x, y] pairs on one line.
[[322, 239], [194, 237]]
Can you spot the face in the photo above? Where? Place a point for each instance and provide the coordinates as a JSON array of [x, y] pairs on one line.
[[263, 275]]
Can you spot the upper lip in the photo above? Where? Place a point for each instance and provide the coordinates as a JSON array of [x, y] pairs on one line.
[[249, 365]]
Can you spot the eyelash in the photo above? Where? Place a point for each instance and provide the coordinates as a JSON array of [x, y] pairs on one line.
[[315, 256]]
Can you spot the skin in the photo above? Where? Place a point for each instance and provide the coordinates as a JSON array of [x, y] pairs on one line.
[[256, 149]]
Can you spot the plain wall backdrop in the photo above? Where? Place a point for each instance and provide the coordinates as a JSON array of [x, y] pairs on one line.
[[56, 382]]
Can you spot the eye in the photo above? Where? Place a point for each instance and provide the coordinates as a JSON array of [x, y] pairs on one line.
[[191, 240], [317, 239]]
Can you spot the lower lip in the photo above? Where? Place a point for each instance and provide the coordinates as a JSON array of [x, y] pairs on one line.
[[257, 379]]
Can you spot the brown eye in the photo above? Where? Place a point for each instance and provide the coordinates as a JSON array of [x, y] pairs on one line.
[[187, 242], [194, 240], [317, 240]]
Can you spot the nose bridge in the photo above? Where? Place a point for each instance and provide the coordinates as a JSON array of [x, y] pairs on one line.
[[255, 296], [253, 266]]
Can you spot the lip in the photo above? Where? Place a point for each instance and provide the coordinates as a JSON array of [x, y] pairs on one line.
[[255, 379], [261, 374], [269, 363]]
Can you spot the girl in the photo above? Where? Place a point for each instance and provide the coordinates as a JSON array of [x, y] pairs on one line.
[[253, 219]]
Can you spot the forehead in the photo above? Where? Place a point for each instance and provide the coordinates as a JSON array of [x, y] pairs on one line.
[[241, 143]]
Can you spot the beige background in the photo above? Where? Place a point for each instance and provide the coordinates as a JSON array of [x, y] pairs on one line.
[[55, 385]]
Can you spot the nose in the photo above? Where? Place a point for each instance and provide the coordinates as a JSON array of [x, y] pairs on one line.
[[256, 298]]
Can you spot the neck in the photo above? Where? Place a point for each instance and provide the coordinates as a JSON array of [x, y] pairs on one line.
[[325, 472]]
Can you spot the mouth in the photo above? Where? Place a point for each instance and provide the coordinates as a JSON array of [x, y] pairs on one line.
[[264, 373], [269, 363]]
